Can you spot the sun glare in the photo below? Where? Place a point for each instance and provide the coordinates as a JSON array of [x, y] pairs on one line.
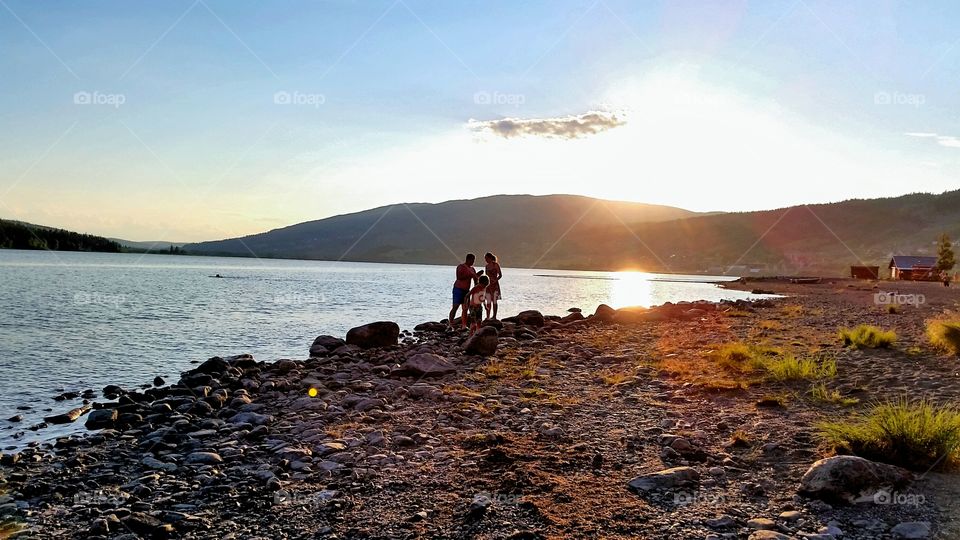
[[631, 289]]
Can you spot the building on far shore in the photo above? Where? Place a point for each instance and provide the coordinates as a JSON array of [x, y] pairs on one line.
[[865, 272], [914, 268]]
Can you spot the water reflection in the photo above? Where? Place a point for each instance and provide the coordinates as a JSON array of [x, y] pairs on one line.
[[631, 289]]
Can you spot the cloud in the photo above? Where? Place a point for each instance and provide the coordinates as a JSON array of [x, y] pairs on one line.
[[563, 127], [943, 140]]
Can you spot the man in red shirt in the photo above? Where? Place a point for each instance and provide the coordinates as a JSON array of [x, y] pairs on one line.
[[466, 276]]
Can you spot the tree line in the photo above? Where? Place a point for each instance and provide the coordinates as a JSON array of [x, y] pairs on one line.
[[14, 235]]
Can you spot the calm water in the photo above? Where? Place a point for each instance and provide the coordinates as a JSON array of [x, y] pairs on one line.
[[72, 321]]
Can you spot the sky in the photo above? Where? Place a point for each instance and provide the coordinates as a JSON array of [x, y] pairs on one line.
[[206, 119]]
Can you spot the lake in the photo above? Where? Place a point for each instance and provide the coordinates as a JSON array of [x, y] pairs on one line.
[[73, 321]]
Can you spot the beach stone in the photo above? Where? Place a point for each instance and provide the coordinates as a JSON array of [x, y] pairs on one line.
[[111, 391], [479, 505], [375, 334], [531, 317], [790, 515], [482, 343], [423, 390], [158, 381], [194, 379], [250, 418], [204, 458], [768, 535], [101, 418], [632, 315], [15, 418], [154, 463], [141, 524], [912, 529], [427, 365], [212, 366], [67, 417], [430, 326], [850, 478], [573, 317], [324, 344], [761, 524], [604, 313], [665, 479], [721, 522]]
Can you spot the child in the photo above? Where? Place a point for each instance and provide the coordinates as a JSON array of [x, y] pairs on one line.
[[493, 290], [475, 304]]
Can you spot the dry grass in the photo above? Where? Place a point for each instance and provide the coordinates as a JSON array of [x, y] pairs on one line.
[[793, 368], [613, 377], [944, 335], [915, 434], [770, 325], [866, 336], [793, 310], [820, 392]]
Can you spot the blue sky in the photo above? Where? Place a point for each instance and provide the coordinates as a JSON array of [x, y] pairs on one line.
[[188, 120]]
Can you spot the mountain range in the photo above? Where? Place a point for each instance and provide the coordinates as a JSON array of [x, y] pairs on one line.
[[574, 232]]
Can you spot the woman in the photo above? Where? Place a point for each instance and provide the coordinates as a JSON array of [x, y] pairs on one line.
[[492, 270]]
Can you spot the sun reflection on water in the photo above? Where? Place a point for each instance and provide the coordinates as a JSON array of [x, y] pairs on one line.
[[631, 289]]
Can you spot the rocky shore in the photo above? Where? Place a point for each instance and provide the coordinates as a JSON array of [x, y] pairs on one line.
[[609, 425]]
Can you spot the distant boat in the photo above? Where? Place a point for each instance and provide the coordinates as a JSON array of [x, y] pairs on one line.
[[805, 280]]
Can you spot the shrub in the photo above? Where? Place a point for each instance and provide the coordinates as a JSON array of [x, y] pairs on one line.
[[945, 335], [866, 336], [792, 368], [913, 434]]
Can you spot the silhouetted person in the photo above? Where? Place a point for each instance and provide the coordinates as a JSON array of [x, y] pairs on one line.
[[466, 276]]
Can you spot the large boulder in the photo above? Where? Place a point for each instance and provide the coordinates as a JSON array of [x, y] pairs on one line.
[[324, 344], [630, 315], [375, 334], [851, 479], [483, 343], [665, 479], [427, 365], [575, 316], [531, 317], [430, 326], [101, 419], [215, 366], [604, 313]]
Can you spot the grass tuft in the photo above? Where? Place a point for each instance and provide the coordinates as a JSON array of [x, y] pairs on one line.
[[866, 336], [914, 434], [820, 392], [945, 335], [793, 368]]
